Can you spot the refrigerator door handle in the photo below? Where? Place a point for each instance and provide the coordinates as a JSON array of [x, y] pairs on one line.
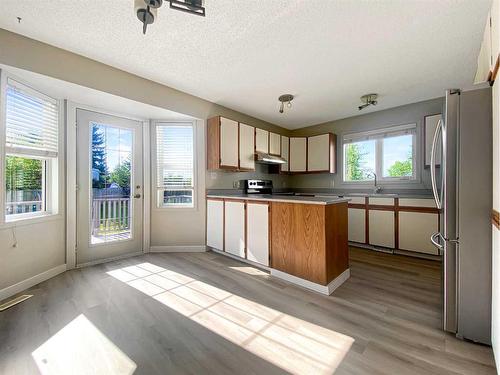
[[435, 241], [439, 128]]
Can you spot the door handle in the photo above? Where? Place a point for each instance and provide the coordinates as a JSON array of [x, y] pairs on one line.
[[435, 242], [137, 196], [439, 128]]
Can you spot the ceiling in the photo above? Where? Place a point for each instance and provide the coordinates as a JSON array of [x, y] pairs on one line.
[[244, 54]]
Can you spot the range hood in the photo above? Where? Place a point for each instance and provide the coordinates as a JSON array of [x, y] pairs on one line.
[[264, 158]]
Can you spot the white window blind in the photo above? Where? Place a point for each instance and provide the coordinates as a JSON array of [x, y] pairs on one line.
[[31, 121], [393, 131], [174, 156]]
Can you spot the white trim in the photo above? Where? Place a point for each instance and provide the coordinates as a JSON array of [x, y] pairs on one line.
[[32, 281], [323, 289], [146, 186], [107, 260], [3, 108], [178, 249], [154, 174], [71, 187]]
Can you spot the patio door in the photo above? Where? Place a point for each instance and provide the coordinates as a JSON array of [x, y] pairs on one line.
[[110, 186]]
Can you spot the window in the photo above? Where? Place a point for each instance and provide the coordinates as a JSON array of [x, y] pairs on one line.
[[174, 164], [389, 153], [31, 151]]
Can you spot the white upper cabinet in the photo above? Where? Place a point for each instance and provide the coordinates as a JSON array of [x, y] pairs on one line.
[[228, 143], [261, 140], [285, 144], [298, 154], [275, 144], [320, 153], [247, 147]]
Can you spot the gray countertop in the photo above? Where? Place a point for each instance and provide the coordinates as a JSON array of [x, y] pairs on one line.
[[322, 200]]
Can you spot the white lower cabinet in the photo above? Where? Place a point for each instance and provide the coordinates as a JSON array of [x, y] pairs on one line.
[[415, 230], [215, 224], [381, 228], [234, 228], [258, 233], [357, 221]]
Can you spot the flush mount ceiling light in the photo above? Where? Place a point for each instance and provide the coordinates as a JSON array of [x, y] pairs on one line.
[[285, 98], [367, 100], [147, 10]]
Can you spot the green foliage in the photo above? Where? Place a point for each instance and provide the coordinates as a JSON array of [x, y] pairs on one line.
[[402, 168], [99, 157], [23, 173], [121, 174], [354, 156]]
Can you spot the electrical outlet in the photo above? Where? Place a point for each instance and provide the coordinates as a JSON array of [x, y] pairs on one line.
[[236, 184]]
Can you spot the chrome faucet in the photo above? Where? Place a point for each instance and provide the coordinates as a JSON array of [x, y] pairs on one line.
[[376, 189]]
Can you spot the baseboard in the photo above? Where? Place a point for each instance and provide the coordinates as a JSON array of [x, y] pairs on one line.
[[178, 249], [107, 260], [32, 281], [323, 289]]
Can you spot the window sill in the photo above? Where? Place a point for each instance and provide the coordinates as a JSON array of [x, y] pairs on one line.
[[30, 220]]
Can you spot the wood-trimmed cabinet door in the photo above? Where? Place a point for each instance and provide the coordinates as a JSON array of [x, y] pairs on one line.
[[298, 154], [357, 225], [274, 144], [321, 153], [234, 228], [261, 140], [381, 228], [285, 148], [247, 148], [415, 231], [228, 143], [258, 232], [215, 224]]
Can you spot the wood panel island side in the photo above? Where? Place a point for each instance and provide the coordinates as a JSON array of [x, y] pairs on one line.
[[307, 237]]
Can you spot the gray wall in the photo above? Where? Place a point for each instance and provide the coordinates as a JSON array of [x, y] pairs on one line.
[[41, 246], [407, 114], [224, 180]]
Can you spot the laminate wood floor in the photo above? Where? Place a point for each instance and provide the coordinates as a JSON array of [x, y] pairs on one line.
[[203, 313]]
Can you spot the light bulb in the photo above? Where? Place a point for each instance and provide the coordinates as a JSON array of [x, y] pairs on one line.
[[289, 104], [281, 107]]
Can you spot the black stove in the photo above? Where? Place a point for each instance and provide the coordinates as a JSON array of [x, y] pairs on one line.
[[257, 186]]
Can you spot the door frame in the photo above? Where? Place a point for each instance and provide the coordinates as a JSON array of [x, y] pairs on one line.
[[70, 109]]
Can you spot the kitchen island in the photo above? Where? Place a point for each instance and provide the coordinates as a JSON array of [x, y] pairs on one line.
[[303, 240]]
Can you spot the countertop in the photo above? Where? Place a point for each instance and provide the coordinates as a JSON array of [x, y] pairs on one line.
[[323, 200]]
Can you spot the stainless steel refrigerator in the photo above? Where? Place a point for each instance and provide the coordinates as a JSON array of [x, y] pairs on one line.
[[461, 175]]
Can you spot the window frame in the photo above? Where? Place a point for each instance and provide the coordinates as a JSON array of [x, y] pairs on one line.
[[379, 154], [154, 151], [52, 165]]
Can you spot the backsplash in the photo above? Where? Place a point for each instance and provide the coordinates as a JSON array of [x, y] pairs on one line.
[[225, 180]]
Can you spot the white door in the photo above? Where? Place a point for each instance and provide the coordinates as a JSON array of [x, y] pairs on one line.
[[228, 143], [234, 228], [215, 224], [298, 154], [275, 144], [261, 140], [258, 233], [110, 186], [318, 153], [247, 147]]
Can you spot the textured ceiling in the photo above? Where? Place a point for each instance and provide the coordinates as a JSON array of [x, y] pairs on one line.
[[244, 54]]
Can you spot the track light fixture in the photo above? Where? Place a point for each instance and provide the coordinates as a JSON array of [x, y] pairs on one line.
[[285, 98], [147, 10]]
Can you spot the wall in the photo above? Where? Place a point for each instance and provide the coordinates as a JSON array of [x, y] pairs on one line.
[[225, 180], [407, 114], [41, 246]]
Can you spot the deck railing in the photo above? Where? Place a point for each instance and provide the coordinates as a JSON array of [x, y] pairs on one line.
[[110, 215], [12, 208]]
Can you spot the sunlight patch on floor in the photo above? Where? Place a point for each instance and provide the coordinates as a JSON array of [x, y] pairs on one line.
[[292, 344], [80, 349]]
